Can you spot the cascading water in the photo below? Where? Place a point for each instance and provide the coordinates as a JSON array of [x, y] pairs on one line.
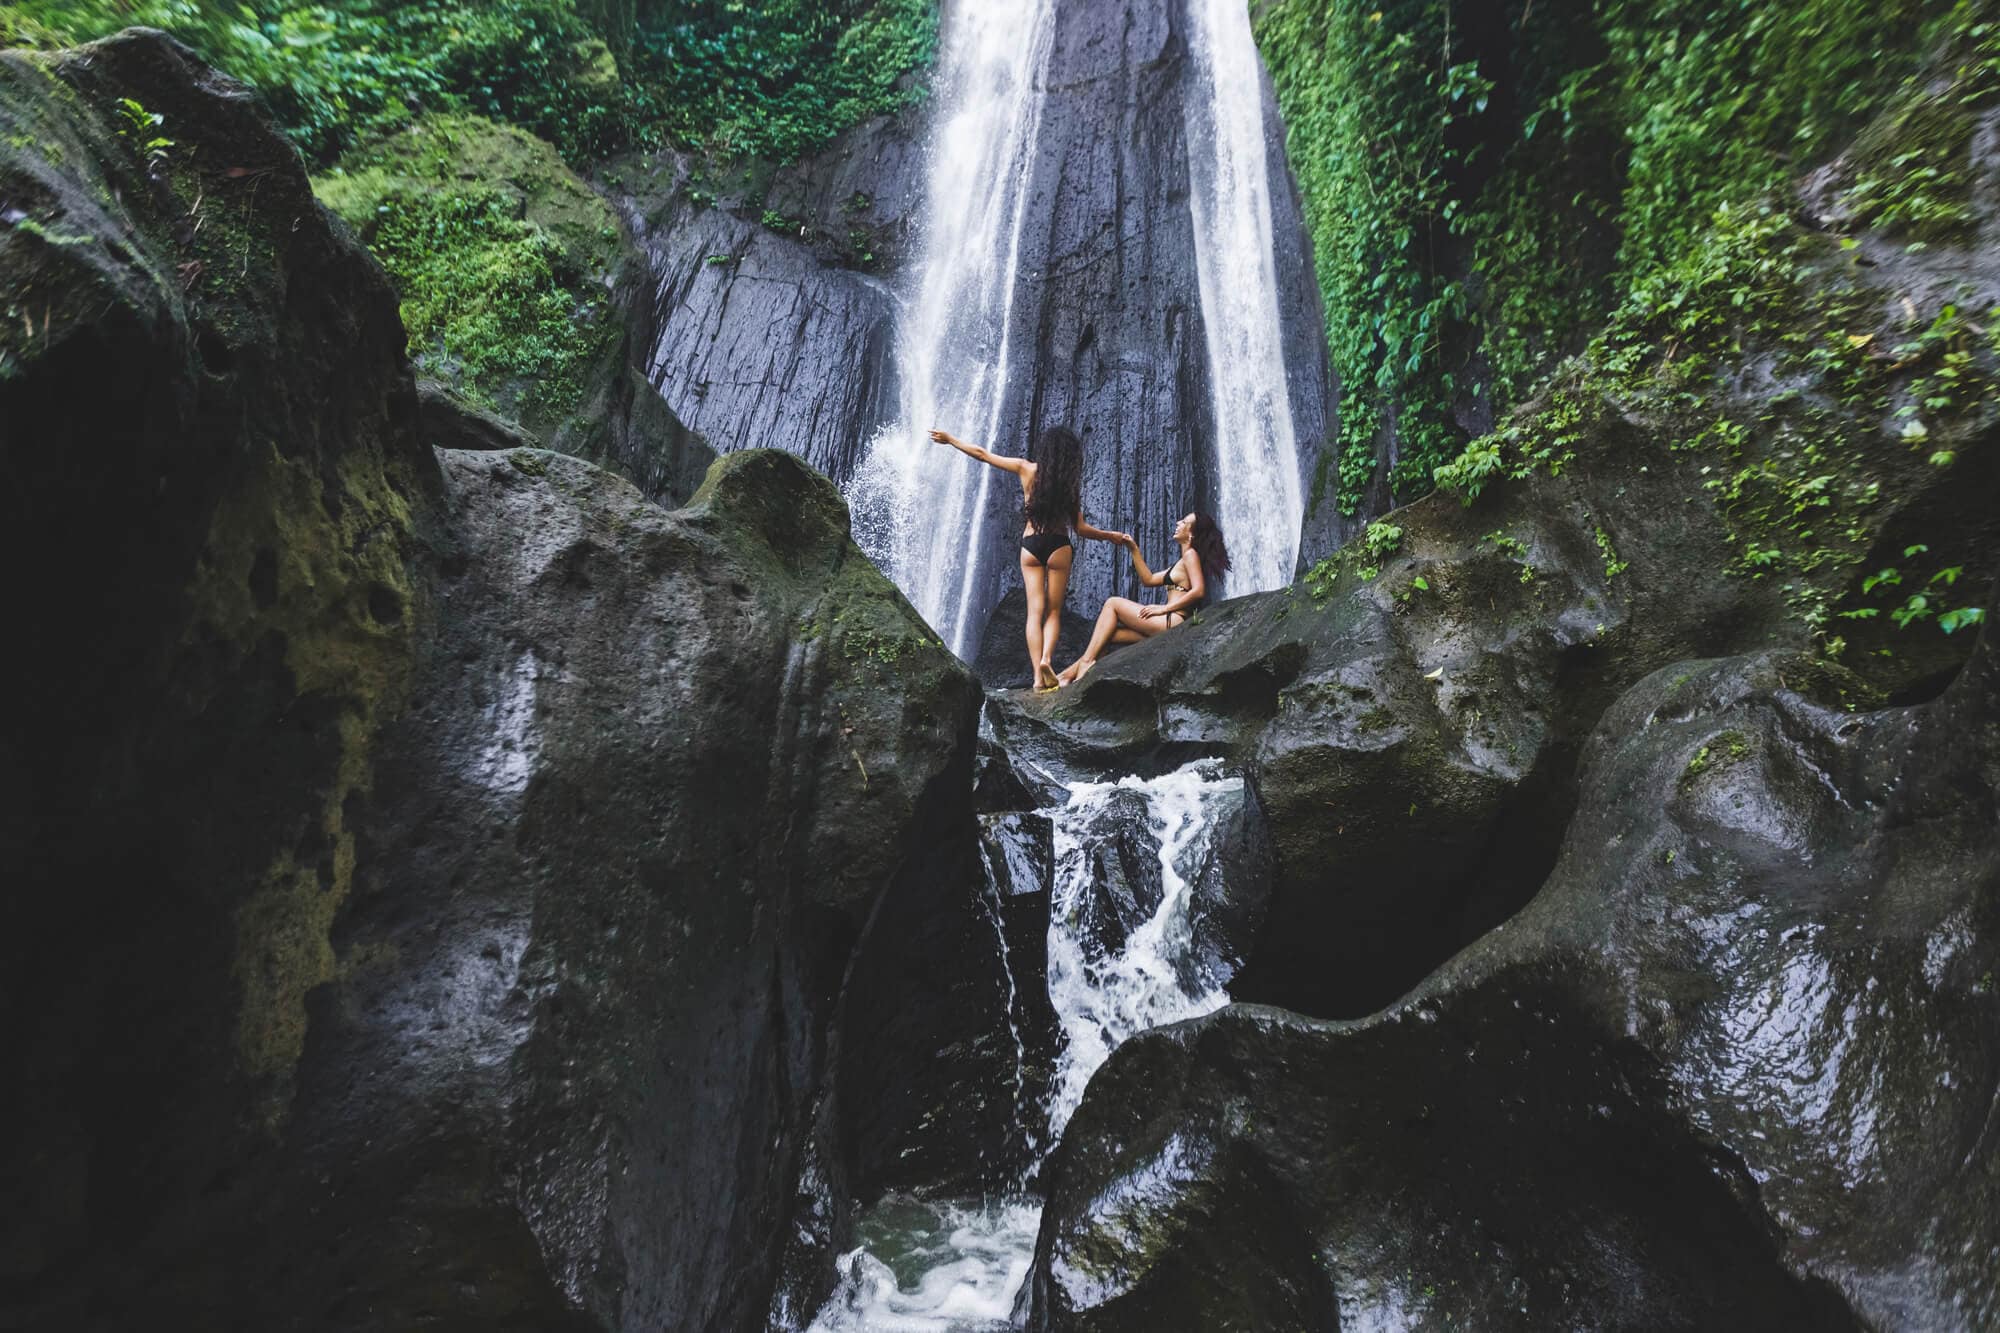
[[941, 1268], [1259, 497], [918, 506]]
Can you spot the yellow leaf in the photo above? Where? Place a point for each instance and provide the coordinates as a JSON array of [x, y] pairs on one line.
[[1860, 339]]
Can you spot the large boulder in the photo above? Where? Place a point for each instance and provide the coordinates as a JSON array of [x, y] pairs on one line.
[[657, 772], [1413, 746], [1733, 1066], [208, 428], [433, 883]]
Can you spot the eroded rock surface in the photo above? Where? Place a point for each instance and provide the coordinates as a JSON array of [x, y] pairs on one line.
[[1414, 748], [1732, 1065], [436, 874]]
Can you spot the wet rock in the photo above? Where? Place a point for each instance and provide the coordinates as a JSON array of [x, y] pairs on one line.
[[435, 879], [450, 422], [1414, 748], [1001, 783], [1411, 718], [947, 1038], [215, 475], [753, 343], [632, 430], [1732, 1065], [623, 717], [1109, 850], [1001, 662], [1019, 851]]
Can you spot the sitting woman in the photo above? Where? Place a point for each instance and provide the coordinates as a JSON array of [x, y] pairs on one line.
[[1202, 563]]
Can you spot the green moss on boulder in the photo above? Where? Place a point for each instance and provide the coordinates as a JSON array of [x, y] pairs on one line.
[[504, 258]]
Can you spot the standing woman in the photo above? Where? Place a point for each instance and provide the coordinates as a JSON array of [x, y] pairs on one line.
[[1052, 494], [1204, 559]]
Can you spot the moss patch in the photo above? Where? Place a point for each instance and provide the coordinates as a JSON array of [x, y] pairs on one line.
[[1485, 188], [1724, 751], [330, 581], [500, 252]]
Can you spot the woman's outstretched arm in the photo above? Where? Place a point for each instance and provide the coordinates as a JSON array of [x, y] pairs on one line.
[[1096, 534], [1146, 576], [1001, 461], [1181, 601]]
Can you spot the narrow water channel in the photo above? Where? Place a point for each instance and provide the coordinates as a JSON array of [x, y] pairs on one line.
[[959, 1266]]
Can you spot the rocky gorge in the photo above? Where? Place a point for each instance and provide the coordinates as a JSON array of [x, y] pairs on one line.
[[462, 883]]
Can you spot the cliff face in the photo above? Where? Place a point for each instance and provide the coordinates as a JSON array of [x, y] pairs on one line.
[[1633, 845], [783, 336], [434, 874]]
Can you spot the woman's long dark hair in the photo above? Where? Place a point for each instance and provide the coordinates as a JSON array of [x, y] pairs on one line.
[[1058, 491], [1208, 544]]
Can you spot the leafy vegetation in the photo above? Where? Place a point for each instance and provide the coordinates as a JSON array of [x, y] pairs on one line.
[[441, 130], [496, 248], [774, 78], [1531, 218], [1485, 186], [1364, 556]]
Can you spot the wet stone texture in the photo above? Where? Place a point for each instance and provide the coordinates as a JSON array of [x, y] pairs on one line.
[[1734, 1066], [1413, 749], [657, 771], [433, 874]]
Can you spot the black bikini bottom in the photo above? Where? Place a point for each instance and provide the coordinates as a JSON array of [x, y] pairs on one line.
[[1042, 545]]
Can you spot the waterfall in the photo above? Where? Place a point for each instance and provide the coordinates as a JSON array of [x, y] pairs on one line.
[[1116, 967], [919, 507], [1259, 500], [1104, 995]]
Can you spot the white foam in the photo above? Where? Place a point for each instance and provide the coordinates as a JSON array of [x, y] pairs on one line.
[[965, 1264]]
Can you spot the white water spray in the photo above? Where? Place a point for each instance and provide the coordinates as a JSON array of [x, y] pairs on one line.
[[1256, 455], [919, 506], [1151, 981], [937, 1268]]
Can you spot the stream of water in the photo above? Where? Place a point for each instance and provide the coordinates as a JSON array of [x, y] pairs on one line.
[[959, 1267], [1257, 470], [919, 509]]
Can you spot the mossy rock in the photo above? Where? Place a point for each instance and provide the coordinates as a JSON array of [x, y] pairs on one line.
[[471, 152], [209, 433], [505, 259]]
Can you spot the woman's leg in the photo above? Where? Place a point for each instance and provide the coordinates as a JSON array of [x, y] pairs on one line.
[[1058, 580], [1120, 616], [1034, 579]]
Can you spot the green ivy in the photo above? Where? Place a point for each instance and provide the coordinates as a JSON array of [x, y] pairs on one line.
[[1487, 185], [774, 78], [778, 78]]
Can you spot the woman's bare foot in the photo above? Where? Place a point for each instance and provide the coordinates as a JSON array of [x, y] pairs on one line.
[[1075, 671], [1045, 675]]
